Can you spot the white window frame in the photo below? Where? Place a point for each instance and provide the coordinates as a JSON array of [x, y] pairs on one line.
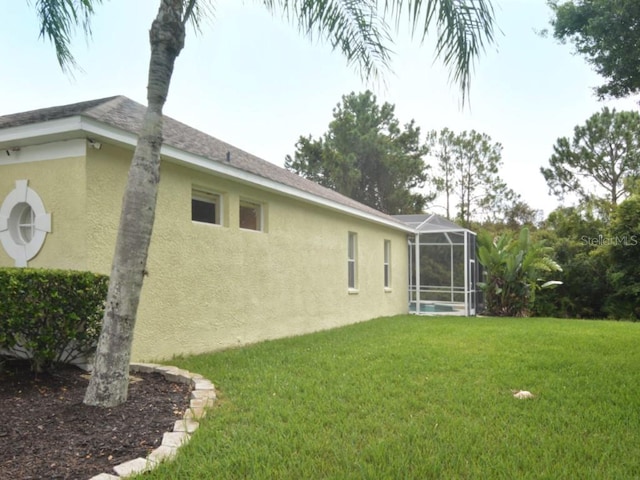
[[352, 262], [212, 198], [387, 265], [20, 202], [259, 207]]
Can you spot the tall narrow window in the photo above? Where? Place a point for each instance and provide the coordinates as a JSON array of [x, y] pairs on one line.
[[387, 264], [352, 261], [205, 207], [250, 215]]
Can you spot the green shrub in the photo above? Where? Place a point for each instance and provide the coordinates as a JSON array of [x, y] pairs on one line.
[[623, 248], [585, 286], [50, 316]]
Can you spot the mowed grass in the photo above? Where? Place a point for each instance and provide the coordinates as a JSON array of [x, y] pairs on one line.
[[418, 397]]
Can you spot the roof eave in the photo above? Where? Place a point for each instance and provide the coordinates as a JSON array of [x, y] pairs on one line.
[[79, 126]]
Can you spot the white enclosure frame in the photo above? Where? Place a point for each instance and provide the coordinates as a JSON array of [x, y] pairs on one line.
[[459, 296]]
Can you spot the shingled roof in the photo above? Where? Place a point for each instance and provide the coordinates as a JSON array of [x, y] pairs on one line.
[[125, 114]]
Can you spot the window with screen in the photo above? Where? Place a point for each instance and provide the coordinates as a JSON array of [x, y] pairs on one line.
[[250, 215], [205, 207]]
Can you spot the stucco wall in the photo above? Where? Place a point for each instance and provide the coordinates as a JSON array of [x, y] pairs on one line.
[[211, 287], [60, 183]]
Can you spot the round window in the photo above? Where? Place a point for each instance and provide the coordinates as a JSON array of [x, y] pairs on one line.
[[23, 223]]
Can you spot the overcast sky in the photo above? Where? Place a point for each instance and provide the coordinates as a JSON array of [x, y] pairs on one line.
[[254, 81]]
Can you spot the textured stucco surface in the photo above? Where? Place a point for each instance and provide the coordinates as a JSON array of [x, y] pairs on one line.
[[61, 186], [211, 287]]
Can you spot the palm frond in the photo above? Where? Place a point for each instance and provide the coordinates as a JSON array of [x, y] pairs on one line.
[[546, 264], [58, 19], [352, 26], [198, 11], [464, 29]]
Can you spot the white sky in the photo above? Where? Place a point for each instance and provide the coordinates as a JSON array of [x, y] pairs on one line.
[[255, 82]]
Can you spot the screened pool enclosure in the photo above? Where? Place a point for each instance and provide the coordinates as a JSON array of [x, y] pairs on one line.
[[443, 274]]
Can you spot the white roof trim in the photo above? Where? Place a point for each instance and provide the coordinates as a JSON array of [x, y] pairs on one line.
[[92, 127], [419, 231]]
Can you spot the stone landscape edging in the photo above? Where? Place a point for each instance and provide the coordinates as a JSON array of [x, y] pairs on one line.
[[202, 396]]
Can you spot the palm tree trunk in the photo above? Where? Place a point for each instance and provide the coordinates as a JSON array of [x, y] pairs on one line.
[[109, 382]]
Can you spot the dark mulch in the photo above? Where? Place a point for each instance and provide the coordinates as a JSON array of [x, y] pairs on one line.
[[46, 432]]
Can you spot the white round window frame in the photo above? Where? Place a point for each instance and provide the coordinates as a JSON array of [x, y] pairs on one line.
[[11, 212]]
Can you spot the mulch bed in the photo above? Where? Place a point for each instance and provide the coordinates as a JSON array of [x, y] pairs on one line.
[[46, 432]]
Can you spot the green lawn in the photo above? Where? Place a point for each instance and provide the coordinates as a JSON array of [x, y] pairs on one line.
[[420, 397]]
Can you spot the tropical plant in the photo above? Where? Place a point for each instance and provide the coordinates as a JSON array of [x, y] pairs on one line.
[[358, 29], [513, 267]]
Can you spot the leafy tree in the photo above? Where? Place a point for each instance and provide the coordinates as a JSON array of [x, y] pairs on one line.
[[467, 173], [516, 215], [441, 146], [574, 234], [599, 258], [366, 156], [513, 270], [585, 287], [606, 33], [358, 29], [600, 160], [623, 248], [520, 214]]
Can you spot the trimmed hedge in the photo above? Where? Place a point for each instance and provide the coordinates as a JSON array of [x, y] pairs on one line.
[[50, 316]]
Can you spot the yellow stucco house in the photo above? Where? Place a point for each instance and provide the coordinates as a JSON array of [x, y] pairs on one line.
[[242, 250]]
